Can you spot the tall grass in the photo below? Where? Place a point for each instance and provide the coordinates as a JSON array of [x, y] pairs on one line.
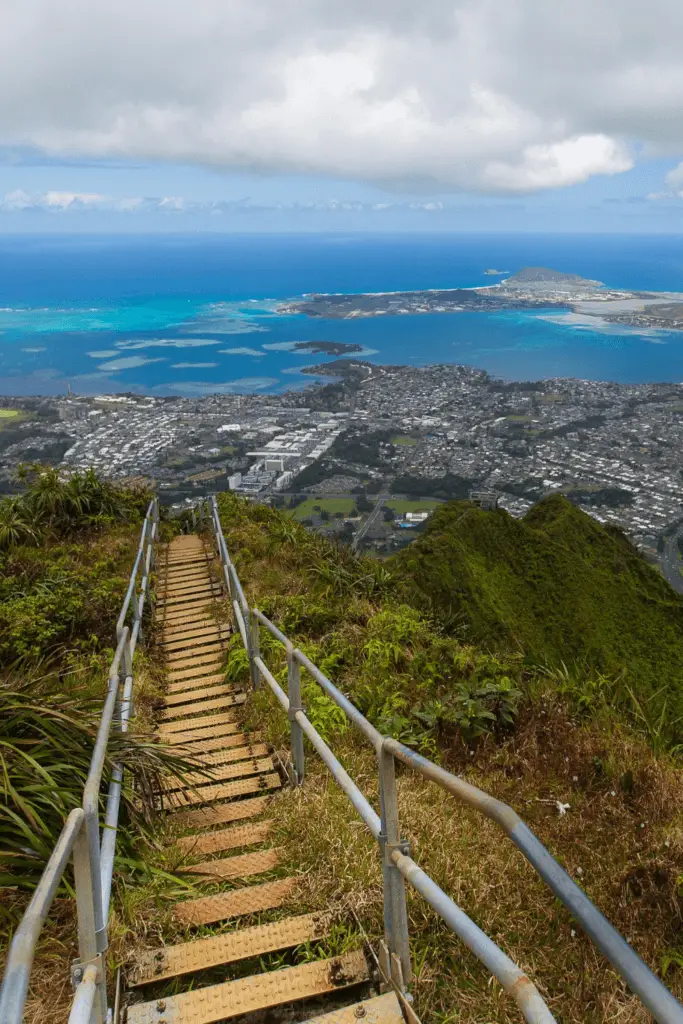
[[48, 726]]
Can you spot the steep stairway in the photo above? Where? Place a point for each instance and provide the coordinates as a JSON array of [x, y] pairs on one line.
[[223, 818]]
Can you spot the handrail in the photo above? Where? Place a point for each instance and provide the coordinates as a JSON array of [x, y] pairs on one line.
[[397, 864], [93, 856]]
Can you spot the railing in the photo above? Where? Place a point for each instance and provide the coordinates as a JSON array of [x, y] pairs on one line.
[[93, 856], [397, 865]]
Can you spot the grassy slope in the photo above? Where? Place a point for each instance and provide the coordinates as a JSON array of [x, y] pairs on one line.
[[621, 837], [558, 587]]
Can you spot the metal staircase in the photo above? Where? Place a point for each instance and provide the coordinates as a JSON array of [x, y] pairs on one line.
[[220, 815], [234, 766]]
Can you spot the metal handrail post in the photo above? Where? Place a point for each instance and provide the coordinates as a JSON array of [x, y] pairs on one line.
[[395, 912], [87, 898], [254, 651], [295, 705]]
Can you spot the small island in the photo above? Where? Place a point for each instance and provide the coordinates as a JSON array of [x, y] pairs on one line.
[[492, 272], [326, 348]]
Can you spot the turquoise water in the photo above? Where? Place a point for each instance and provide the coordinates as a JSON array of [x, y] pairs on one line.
[[191, 316]]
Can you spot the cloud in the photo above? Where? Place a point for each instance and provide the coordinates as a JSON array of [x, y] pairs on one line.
[[459, 94], [63, 202]]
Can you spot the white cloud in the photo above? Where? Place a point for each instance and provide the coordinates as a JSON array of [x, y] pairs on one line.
[[476, 94]]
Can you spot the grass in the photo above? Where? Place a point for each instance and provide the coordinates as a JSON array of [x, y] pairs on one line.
[[621, 837], [10, 414], [307, 508], [403, 505], [404, 440]]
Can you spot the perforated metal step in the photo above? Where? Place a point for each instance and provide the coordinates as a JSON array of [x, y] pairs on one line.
[[384, 1009], [213, 654], [187, 696], [224, 839], [225, 905], [172, 961], [223, 791], [201, 680], [246, 753], [246, 995], [219, 773], [199, 740], [244, 865], [188, 685], [186, 711], [220, 814], [169, 728]]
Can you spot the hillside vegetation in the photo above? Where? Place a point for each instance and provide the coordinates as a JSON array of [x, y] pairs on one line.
[[437, 648], [561, 590]]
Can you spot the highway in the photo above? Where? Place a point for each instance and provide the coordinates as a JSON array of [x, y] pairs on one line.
[[377, 511]]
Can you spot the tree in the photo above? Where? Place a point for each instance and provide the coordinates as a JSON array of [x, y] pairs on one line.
[[389, 514]]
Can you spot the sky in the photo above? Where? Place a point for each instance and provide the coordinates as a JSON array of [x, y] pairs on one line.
[[371, 115]]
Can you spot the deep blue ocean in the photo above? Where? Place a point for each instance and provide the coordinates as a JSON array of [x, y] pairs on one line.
[[190, 315]]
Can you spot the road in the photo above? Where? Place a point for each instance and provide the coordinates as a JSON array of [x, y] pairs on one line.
[[670, 562], [377, 511]]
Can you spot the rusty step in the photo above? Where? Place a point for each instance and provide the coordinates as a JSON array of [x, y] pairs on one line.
[[258, 992], [384, 1009], [201, 954]]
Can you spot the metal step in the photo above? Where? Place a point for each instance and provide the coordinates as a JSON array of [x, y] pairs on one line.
[[198, 665], [384, 1009], [246, 995], [168, 728], [225, 905], [184, 617], [197, 655], [219, 773], [178, 640], [177, 675], [223, 791], [235, 754], [181, 586], [225, 839], [213, 641], [187, 696], [187, 957], [171, 601], [242, 866], [197, 741], [186, 711], [220, 814], [186, 684]]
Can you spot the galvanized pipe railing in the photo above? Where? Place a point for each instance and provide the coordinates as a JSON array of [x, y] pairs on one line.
[[398, 867], [79, 840]]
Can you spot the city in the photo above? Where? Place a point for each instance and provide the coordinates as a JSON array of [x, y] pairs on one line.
[[412, 436]]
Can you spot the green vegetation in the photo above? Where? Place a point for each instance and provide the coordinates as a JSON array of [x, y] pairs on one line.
[[310, 506], [449, 487], [10, 414], [446, 677], [406, 441], [561, 590], [404, 505]]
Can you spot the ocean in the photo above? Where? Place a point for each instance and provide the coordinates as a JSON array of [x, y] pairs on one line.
[[192, 315]]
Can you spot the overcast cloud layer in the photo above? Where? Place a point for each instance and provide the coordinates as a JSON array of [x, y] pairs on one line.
[[492, 95]]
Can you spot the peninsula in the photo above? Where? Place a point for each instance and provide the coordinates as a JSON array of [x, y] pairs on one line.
[[528, 288]]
